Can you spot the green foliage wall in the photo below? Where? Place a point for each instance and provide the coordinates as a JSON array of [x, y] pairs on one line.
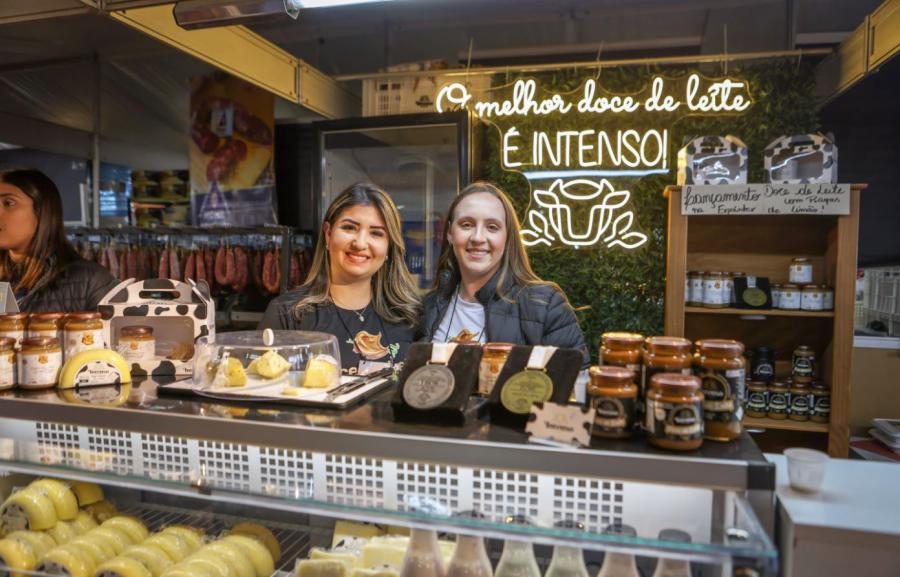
[[617, 289]]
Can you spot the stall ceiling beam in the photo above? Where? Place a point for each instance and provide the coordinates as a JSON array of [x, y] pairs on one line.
[[42, 135], [873, 43], [12, 11]]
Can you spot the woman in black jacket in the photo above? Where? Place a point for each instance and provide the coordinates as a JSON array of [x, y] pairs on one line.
[[485, 289], [44, 271]]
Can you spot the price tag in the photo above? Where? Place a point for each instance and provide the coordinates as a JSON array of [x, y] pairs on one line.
[[563, 424]]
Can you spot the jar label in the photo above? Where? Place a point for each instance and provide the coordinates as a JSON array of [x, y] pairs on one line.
[[7, 370], [821, 406], [723, 392], [801, 273], [696, 290], [39, 369], [613, 414], [828, 301], [77, 341], [136, 351], [18, 335], [488, 371], [799, 404], [804, 366], [778, 403], [674, 421], [811, 301], [764, 371], [714, 293], [758, 401], [790, 299]]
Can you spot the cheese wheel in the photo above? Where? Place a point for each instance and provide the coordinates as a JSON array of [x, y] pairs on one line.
[[17, 555], [94, 367], [261, 533], [153, 558], [321, 568], [67, 560], [114, 537], [122, 567], [62, 496], [193, 536], [211, 559], [94, 547], [27, 509], [101, 510], [87, 493], [83, 522], [182, 570], [256, 552], [234, 556], [349, 559], [39, 541], [63, 532], [132, 527], [375, 572], [171, 544]]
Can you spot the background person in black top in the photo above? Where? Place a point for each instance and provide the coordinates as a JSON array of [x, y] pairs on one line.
[[44, 271], [358, 287]]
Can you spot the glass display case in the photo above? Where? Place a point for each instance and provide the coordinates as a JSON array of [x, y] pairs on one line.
[[421, 160], [302, 472]]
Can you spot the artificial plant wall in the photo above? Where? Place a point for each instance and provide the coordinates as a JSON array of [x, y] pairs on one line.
[[618, 289]]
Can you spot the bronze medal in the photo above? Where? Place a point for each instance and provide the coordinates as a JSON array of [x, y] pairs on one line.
[[428, 386], [525, 388]]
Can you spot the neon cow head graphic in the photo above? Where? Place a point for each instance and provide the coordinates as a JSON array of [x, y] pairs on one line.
[[551, 217]]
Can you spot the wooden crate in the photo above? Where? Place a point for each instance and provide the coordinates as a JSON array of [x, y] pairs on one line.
[[764, 246]]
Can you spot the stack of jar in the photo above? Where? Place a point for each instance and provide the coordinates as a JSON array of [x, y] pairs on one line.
[[678, 397], [798, 398], [33, 346], [799, 293], [712, 289]]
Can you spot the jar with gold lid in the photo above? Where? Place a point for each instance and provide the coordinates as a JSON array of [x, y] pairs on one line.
[[674, 414], [612, 396], [7, 363], [820, 411], [803, 364], [757, 399], [666, 355], [14, 325], [800, 393], [801, 271], [40, 361], [722, 369], [622, 349], [779, 399], [83, 332], [493, 357], [46, 325], [715, 295], [137, 343], [812, 298]]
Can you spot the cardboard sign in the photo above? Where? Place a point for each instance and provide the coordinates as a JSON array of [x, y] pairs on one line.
[[565, 424], [8, 302], [762, 199]]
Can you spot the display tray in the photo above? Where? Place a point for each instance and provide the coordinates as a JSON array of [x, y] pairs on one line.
[[272, 394]]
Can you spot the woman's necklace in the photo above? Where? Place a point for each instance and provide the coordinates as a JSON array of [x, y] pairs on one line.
[[359, 313]]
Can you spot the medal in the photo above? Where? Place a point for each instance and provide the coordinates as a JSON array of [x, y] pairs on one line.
[[530, 386], [431, 385]]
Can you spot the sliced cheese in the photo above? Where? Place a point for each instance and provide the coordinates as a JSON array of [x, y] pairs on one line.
[[321, 568], [348, 559], [375, 572], [87, 493], [94, 367]]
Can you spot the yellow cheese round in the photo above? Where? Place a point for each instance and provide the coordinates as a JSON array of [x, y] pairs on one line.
[[183, 570], [193, 536], [38, 541], [132, 527], [211, 559], [94, 367], [256, 552], [116, 538], [27, 509], [234, 556], [102, 510], [94, 547], [63, 532], [87, 493], [153, 558], [261, 533], [16, 555], [83, 522], [122, 567], [170, 544], [67, 559], [62, 496]]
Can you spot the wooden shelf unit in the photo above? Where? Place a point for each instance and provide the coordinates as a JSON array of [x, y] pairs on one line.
[[764, 245], [785, 425]]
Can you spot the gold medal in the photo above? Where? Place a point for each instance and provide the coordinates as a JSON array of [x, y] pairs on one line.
[[524, 389]]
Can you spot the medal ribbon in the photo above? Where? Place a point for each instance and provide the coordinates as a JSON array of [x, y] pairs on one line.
[[441, 353], [539, 358]]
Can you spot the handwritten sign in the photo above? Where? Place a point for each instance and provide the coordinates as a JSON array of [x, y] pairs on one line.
[[733, 199]]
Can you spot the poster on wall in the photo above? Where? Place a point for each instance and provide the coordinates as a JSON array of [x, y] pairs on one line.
[[231, 153]]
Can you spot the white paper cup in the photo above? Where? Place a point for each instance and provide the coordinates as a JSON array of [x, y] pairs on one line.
[[806, 469]]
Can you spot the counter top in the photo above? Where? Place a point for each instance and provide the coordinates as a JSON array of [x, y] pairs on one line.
[[856, 496], [367, 429]]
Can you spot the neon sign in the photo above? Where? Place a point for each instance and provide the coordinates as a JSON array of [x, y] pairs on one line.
[[586, 146]]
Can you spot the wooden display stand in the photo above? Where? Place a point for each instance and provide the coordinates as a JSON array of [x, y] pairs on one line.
[[764, 246]]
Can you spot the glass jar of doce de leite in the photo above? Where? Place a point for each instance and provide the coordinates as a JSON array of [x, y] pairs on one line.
[[269, 363]]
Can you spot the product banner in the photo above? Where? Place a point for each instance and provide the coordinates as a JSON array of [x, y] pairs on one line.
[[726, 199], [231, 153]]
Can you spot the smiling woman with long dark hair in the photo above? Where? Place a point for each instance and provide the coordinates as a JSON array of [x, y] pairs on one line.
[[43, 269]]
